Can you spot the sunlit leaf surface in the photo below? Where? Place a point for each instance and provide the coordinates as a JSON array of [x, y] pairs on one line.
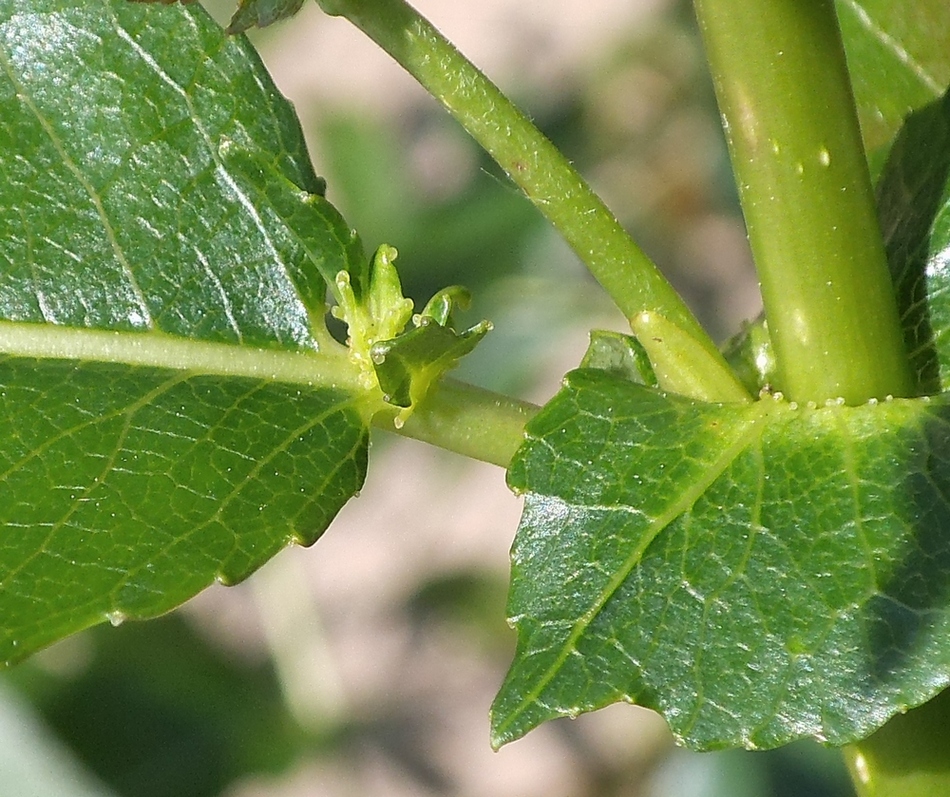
[[757, 573], [171, 408]]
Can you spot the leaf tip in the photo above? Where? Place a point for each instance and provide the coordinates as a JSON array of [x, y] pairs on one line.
[[502, 732]]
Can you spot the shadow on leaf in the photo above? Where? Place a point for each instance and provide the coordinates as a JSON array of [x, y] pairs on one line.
[[902, 617], [912, 203]]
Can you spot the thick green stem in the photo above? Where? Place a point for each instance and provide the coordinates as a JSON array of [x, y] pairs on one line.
[[534, 164], [467, 420], [785, 97]]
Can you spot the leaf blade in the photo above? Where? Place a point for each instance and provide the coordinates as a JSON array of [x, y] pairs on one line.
[[145, 519], [768, 610], [173, 410], [897, 54], [95, 150]]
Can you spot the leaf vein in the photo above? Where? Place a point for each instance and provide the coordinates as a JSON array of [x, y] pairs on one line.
[[87, 187], [890, 43], [744, 434]]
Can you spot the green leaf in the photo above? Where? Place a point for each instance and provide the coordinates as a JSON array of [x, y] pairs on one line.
[[899, 57], [261, 13], [757, 573], [749, 353], [409, 364], [620, 354], [317, 227], [172, 407], [914, 209]]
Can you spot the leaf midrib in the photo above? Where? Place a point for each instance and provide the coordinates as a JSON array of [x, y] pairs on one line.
[[328, 368], [743, 436]]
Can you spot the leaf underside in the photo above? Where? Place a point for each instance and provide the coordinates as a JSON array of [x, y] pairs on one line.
[[126, 487], [126, 491]]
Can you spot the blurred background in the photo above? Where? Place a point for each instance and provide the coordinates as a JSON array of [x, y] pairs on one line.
[[366, 665]]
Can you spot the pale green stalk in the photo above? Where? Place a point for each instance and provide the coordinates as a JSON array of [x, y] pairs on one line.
[[542, 172], [465, 419], [786, 102]]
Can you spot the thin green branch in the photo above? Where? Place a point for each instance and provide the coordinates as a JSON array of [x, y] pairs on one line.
[[466, 419], [534, 164], [785, 97]]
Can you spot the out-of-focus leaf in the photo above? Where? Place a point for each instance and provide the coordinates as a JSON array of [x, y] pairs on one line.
[[261, 13], [757, 573], [153, 709], [172, 408], [899, 56], [32, 761]]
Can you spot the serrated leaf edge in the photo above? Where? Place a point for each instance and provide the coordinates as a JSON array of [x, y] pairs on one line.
[[745, 434]]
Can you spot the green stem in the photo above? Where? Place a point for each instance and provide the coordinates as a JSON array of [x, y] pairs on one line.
[[467, 420], [785, 97], [908, 757], [533, 163]]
